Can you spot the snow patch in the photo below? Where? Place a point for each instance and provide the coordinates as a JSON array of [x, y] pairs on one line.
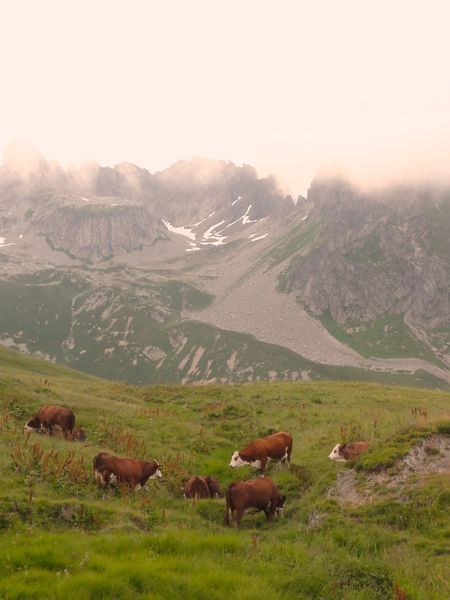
[[203, 220], [184, 231], [85, 199], [213, 237], [245, 219], [260, 237], [237, 200], [3, 243]]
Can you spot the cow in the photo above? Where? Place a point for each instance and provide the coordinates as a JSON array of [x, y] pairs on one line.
[[202, 487], [344, 452], [49, 416], [110, 469], [260, 493], [277, 446]]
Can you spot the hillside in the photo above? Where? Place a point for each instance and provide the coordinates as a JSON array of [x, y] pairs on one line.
[[60, 532]]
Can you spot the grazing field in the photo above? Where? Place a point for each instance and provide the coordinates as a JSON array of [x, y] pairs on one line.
[[64, 537]]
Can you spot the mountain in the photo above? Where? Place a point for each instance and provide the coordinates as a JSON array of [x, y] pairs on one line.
[[204, 272]]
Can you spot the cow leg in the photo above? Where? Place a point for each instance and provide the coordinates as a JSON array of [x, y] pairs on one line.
[[263, 461], [272, 509], [228, 516], [47, 428], [238, 517], [289, 453]]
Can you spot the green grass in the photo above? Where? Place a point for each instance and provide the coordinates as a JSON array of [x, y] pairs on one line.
[[62, 536], [385, 337]]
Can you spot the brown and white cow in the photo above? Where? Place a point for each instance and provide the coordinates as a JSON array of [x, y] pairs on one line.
[[110, 469], [49, 416], [277, 446], [343, 452], [202, 487], [260, 494]]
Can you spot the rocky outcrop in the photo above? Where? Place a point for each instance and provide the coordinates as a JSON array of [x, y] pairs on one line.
[[97, 232], [375, 254]]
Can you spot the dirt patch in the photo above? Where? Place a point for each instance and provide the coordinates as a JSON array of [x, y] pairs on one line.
[[431, 456]]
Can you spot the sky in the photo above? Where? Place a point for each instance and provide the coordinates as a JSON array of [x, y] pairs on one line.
[[294, 88]]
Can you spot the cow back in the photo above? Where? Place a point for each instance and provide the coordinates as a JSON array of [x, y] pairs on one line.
[[256, 493], [273, 446], [197, 487], [57, 415]]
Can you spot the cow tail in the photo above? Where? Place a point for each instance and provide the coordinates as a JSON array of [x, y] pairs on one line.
[[229, 504], [71, 422]]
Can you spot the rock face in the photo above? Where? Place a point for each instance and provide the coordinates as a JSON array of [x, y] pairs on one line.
[[99, 232], [373, 255]]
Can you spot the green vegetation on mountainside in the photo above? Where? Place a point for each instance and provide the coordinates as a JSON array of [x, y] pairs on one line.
[[385, 337], [64, 536], [135, 334]]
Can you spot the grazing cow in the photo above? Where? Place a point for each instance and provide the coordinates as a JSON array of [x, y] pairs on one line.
[[277, 446], [202, 487], [49, 416], [343, 452], [261, 494], [112, 469]]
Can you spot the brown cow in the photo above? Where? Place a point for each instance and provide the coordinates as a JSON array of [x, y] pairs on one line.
[[112, 469], [261, 494], [202, 487], [342, 452], [48, 416], [277, 446]]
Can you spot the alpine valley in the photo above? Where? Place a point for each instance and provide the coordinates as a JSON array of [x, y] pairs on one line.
[[204, 272]]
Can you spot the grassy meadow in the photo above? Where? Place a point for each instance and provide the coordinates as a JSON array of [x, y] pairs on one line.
[[64, 537]]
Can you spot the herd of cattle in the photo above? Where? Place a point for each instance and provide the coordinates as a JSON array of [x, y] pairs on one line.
[[261, 494]]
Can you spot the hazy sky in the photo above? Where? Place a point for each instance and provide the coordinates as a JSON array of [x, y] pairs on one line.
[[287, 86]]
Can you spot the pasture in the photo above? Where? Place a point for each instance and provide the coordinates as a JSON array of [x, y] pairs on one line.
[[62, 536]]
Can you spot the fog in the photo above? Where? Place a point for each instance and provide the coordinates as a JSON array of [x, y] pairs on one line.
[[293, 88]]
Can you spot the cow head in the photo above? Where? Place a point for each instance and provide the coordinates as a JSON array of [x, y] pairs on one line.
[[79, 434], [237, 461], [157, 472], [32, 425], [336, 453], [213, 486], [280, 506]]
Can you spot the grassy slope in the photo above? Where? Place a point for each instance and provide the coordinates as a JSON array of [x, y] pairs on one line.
[[61, 532], [385, 337]]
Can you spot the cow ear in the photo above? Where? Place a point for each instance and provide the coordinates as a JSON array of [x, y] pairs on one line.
[[342, 446]]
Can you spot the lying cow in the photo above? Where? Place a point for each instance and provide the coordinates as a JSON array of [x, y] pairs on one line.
[[277, 446], [202, 487], [110, 469], [261, 494], [49, 416], [343, 452]]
